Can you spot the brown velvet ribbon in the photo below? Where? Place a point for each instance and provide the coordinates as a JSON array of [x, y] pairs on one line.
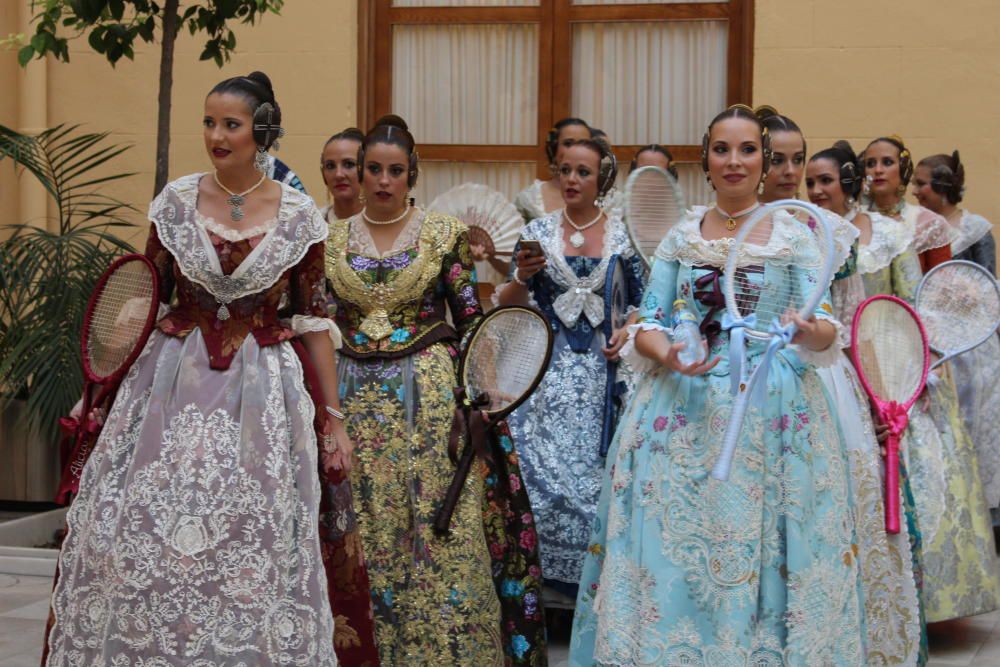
[[469, 429]]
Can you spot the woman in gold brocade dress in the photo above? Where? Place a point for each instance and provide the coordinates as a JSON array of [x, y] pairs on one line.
[[394, 270]]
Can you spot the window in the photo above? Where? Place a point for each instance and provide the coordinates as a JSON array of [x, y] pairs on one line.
[[482, 81]]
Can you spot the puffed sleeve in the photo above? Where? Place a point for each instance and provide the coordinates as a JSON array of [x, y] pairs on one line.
[[806, 284], [654, 312], [309, 299], [458, 274], [161, 258]]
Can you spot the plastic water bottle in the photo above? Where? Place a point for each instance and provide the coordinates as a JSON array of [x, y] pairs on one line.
[[686, 331]]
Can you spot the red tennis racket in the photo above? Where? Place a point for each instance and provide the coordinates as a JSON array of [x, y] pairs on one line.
[[116, 325], [889, 348]]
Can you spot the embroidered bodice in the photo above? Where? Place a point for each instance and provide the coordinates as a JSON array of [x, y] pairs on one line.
[[230, 285], [394, 304], [570, 290]]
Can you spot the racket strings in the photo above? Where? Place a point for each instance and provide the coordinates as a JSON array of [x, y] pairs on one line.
[[118, 318], [959, 306], [890, 350], [654, 205], [506, 356]]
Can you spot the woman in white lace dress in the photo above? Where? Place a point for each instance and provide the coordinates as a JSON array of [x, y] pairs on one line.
[[939, 185], [194, 537]]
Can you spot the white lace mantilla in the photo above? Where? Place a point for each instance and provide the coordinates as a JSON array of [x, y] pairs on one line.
[[929, 229], [791, 242], [298, 226], [971, 228], [889, 239], [581, 295], [360, 241], [530, 202]]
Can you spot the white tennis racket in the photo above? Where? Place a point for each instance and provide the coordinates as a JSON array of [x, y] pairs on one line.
[[959, 305], [654, 203], [758, 301]]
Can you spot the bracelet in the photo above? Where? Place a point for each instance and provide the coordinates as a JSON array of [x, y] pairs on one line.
[[335, 412], [517, 280]]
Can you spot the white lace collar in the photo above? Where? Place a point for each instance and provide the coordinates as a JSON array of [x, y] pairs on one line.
[[971, 228], [581, 294], [791, 242], [890, 238], [299, 225], [360, 241], [228, 233], [929, 229]]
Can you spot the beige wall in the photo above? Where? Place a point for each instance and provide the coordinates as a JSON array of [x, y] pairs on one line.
[[927, 70], [310, 53], [852, 69]]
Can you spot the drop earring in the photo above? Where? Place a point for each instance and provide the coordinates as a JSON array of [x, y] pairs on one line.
[[260, 161], [760, 188]]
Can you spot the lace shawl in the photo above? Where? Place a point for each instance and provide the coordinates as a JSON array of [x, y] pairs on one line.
[[971, 229], [174, 213], [889, 240]]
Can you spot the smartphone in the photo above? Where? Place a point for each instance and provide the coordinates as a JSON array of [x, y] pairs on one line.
[[534, 248]]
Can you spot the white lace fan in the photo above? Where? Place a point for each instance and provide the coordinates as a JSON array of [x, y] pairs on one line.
[[492, 220]]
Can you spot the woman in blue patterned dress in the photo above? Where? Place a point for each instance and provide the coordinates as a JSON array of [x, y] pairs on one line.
[[761, 569], [558, 429]]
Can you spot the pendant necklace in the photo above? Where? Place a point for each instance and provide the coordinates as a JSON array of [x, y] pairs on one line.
[[731, 217], [576, 238], [237, 200]]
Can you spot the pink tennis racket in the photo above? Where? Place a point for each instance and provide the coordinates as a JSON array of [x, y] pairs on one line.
[[889, 348]]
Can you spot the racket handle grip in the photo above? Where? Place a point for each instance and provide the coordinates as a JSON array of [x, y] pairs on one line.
[[442, 520], [892, 484], [733, 431]]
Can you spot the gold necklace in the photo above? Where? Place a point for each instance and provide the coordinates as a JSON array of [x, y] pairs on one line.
[[731, 217], [237, 200]]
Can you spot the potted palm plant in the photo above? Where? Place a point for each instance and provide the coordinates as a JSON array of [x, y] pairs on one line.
[[47, 272]]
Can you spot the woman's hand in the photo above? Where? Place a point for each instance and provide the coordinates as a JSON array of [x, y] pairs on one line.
[[337, 450], [811, 333], [479, 252], [615, 345], [671, 361], [528, 265]]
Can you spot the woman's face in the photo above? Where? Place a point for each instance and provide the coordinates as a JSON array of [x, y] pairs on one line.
[[882, 165], [735, 158], [788, 161], [568, 135], [340, 169], [924, 192], [578, 175], [652, 159], [228, 130], [385, 179], [823, 185]]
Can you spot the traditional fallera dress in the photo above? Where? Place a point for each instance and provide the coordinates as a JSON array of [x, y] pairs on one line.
[[959, 570], [558, 429], [976, 372], [892, 615], [471, 598], [760, 569], [194, 538]]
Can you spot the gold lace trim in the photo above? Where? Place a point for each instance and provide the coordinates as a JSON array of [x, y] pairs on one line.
[[437, 235]]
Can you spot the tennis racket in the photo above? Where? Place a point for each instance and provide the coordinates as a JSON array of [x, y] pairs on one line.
[[116, 325], [758, 301], [615, 308], [889, 349], [959, 305], [654, 202], [504, 361]]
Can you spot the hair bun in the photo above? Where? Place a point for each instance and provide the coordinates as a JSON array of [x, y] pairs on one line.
[[264, 80], [392, 120], [765, 111]]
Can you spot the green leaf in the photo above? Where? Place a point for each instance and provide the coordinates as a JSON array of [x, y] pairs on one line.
[[24, 56], [117, 9], [96, 39]]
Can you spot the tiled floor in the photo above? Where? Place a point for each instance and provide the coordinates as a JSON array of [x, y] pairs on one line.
[[972, 642]]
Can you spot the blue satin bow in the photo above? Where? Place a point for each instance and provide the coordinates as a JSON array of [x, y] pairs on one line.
[[737, 346], [783, 334]]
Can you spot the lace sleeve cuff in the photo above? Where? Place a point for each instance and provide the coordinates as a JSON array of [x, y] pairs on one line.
[[495, 297], [303, 324], [829, 356], [632, 356]]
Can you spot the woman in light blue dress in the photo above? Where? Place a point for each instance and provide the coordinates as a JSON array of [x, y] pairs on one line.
[[761, 569]]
